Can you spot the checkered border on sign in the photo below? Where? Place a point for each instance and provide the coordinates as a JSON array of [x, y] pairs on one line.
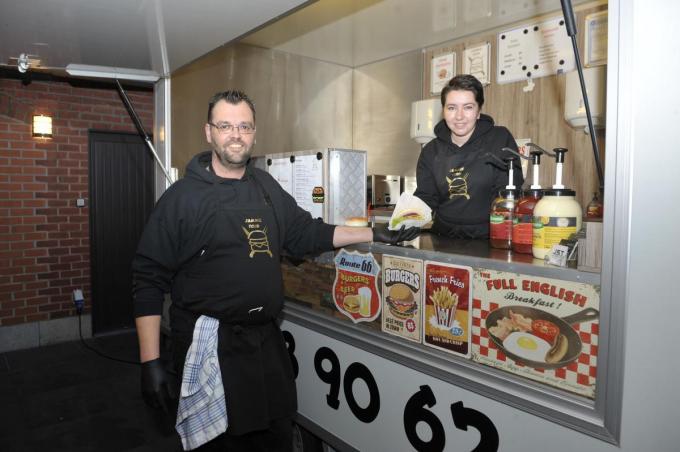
[[580, 372]]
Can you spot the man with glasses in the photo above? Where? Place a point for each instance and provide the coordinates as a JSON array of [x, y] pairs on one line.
[[214, 241]]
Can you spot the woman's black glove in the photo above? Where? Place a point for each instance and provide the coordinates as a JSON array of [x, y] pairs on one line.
[[156, 385], [382, 234]]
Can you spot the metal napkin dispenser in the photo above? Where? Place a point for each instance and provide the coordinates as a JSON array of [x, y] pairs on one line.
[[329, 183]]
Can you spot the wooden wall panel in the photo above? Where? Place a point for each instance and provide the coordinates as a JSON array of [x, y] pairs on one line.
[[538, 114]]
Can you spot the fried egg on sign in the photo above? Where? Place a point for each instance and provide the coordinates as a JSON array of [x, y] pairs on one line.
[[526, 346]]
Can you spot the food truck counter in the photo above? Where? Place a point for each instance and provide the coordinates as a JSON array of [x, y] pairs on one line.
[[506, 326]]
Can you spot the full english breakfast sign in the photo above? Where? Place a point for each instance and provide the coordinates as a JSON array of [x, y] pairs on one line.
[[542, 329]]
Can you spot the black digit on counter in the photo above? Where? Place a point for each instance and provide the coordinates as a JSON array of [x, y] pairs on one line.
[[332, 377], [359, 371], [415, 412], [290, 345], [464, 417]]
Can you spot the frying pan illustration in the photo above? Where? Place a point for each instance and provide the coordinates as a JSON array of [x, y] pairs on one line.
[[564, 324]]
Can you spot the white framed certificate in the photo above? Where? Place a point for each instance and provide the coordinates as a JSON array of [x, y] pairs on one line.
[[443, 69], [595, 39], [476, 62]]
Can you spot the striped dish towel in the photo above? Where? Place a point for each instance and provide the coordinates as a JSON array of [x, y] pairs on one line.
[[202, 411]]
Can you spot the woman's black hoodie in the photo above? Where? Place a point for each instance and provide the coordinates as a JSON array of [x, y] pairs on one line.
[[459, 183]]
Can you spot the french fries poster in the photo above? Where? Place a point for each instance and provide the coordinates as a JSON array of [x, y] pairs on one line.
[[542, 329], [355, 289], [402, 293], [447, 302]]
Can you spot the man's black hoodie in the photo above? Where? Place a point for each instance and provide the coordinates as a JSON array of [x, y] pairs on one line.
[[459, 183], [182, 223]]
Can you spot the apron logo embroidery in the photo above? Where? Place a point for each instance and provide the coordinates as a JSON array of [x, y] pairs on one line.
[[458, 183], [257, 238]]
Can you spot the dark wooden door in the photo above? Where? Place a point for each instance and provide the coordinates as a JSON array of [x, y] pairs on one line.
[[121, 199]]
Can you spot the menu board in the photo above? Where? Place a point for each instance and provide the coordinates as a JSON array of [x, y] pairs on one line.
[[446, 312], [534, 50], [308, 174], [402, 297], [281, 169], [542, 329]]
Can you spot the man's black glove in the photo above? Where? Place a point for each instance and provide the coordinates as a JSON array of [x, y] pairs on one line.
[[156, 385], [382, 234]]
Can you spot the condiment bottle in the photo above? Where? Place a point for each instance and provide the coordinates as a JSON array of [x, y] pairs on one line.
[[522, 225], [502, 213], [557, 215], [594, 207]]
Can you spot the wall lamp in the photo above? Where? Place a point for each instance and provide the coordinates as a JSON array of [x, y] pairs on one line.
[[42, 126]]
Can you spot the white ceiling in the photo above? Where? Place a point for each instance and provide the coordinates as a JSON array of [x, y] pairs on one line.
[[357, 32], [159, 35], [164, 35]]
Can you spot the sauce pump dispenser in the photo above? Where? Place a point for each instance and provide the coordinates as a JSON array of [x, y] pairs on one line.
[[557, 215], [522, 226], [502, 209]]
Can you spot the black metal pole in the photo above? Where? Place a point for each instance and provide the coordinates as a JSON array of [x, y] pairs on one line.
[[570, 24], [140, 129]]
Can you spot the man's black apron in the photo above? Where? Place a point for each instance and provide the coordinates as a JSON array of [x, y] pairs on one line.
[[236, 278]]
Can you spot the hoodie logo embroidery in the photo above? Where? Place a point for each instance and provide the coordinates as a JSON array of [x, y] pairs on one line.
[[457, 180], [257, 238]]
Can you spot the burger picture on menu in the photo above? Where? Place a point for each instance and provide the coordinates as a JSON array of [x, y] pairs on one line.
[[401, 302], [351, 303]]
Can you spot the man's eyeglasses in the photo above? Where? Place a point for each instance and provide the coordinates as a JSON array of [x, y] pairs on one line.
[[224, 128]]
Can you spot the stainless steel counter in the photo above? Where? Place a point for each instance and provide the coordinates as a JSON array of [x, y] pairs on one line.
[[478, 253], [310, 304]]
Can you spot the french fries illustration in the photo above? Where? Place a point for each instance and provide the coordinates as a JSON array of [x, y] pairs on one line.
[[445, 304]]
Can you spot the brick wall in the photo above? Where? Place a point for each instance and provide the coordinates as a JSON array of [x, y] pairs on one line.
[[44, 237]]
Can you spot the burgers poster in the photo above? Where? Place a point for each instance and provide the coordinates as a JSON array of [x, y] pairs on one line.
[[402, 297], [447, 308]]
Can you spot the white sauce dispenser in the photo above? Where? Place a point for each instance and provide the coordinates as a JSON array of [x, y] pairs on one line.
[[557, 215]]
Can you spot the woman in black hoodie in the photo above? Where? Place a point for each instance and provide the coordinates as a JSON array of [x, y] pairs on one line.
[[455, 177]]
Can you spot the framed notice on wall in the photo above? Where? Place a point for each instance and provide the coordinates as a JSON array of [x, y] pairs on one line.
[[442, 70], [476, 62], [534, 50], [595, 39]]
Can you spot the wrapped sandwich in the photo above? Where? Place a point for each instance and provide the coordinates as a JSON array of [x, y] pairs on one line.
[[410, 211]]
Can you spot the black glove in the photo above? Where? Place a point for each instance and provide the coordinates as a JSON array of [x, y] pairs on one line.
[[382, 234], [156, 385]]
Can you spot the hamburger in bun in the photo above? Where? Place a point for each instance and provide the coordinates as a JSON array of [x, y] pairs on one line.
[[400, 301], [351, 303], [356, 221], [409, 214]]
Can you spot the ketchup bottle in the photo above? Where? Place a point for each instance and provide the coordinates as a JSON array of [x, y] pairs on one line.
[[522, 226], [523, 223]]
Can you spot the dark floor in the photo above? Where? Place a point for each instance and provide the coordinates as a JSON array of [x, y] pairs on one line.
[[67, 398]]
